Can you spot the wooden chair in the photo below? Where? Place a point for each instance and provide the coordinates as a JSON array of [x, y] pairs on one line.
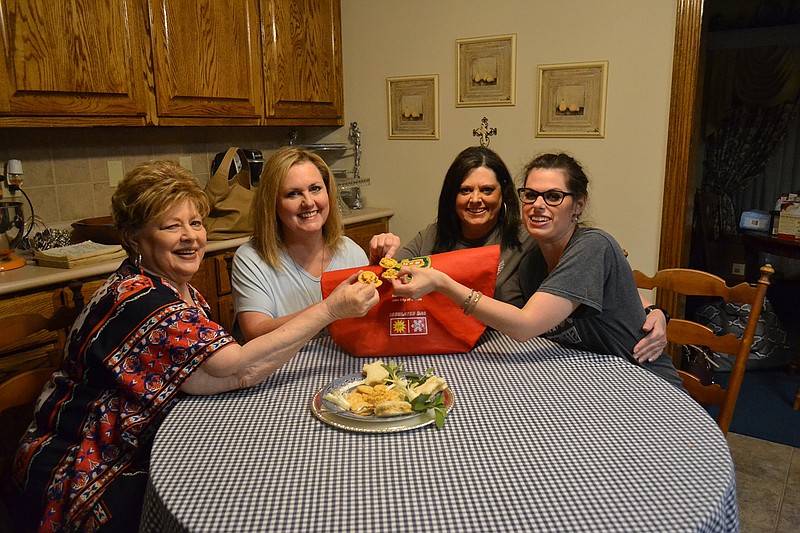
[[689, 282], [19, 391], [17, 328], [17, 397], [33, 338]]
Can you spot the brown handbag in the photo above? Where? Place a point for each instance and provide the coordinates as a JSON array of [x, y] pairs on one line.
[[230, 199]]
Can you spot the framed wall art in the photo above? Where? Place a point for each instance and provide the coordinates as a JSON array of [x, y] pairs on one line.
[[413, 103], [486, 71], [572, 100]]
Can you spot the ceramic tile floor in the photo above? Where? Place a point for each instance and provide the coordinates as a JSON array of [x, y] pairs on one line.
[[768, 484]]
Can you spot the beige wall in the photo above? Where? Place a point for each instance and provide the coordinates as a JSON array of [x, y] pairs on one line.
[[417, 37], [66, 169]]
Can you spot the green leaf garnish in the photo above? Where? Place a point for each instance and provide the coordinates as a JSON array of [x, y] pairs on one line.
[[422, 402]]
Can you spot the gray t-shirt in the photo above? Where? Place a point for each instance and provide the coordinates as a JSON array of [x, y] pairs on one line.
[[507, 287], [279, 292], [594, 272]]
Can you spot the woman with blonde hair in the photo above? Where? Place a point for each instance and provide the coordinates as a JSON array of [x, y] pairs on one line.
[[298, 235]]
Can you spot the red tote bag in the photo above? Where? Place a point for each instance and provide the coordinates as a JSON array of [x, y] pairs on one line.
[[433, 324]]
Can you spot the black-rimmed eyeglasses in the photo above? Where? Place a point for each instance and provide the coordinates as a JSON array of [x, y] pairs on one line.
[[552, 197]]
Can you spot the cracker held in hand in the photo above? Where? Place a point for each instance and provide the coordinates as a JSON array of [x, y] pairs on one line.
[[388, 262], [370, 278]]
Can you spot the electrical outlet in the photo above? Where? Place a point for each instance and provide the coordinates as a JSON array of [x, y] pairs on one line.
[[738, 269], [114, 173]]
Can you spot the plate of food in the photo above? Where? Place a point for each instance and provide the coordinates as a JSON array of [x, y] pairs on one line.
[[383, 398]]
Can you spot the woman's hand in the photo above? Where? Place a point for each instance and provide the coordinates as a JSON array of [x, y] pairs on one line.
[[383, 245], [654, 343], [414, 283], [351, 298]]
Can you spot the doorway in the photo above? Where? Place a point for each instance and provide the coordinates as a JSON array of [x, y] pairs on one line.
[[684, 167], [684, 164]]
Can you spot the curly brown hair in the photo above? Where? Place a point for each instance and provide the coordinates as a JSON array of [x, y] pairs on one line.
[[149, 190]]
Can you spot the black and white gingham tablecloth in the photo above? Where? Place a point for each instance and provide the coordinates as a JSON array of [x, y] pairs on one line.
[[541, 438]]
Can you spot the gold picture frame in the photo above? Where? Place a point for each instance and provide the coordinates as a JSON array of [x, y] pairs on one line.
[[486, 69], [413, 104], [572, 100]]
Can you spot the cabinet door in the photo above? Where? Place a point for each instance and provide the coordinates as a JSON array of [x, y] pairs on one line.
[[73, 59], [362, 232], [303, 62], [207, 62], [225, 313]]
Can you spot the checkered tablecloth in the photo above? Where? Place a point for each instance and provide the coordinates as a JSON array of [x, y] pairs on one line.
[[541, 438]]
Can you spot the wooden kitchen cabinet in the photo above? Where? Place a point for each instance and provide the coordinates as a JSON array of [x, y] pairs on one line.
[[171, 63], [74, 64], [213, 280], [43, 349], [303, 62], [362, 232], [39, 350], [225, 312], [207, 61], [212, 67]]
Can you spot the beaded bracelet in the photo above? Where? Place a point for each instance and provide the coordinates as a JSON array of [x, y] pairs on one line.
[[466, 302], [473, 303]]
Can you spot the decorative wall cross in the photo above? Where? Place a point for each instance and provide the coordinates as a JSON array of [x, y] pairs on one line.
[[484, 132]]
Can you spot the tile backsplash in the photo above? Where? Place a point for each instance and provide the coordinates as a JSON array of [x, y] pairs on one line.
[[66, 170]]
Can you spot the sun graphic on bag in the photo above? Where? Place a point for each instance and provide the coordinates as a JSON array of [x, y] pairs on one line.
[[399, 326]]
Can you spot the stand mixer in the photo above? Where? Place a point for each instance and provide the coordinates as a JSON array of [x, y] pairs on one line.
[[11, 218]]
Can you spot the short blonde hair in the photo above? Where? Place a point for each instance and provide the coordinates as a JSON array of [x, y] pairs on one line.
[[147, 192], [267, 228]]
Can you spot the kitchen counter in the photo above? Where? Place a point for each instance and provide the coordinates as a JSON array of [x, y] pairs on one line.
[[32, 276], [367, 213]]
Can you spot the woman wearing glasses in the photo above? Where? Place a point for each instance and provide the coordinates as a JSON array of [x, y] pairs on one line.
[[577, 281]]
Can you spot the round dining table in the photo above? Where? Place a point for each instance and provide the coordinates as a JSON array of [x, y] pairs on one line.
[[539, 437]]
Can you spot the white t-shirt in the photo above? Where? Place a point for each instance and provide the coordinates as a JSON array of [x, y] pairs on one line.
[[285, 290]]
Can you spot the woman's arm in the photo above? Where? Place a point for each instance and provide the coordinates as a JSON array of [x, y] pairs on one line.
[[653, 344], [254, 324], [541, 313], [235, 366]]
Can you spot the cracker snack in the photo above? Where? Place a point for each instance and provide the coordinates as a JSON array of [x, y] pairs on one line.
[[370, 278], [388, 262]]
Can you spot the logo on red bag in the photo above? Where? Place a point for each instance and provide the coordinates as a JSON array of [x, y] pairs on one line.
[[408, 323]]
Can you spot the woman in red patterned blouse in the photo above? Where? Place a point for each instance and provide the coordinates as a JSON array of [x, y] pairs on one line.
[[143, 339]]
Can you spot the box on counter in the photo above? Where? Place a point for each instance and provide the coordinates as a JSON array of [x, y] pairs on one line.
[[789, 219]]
